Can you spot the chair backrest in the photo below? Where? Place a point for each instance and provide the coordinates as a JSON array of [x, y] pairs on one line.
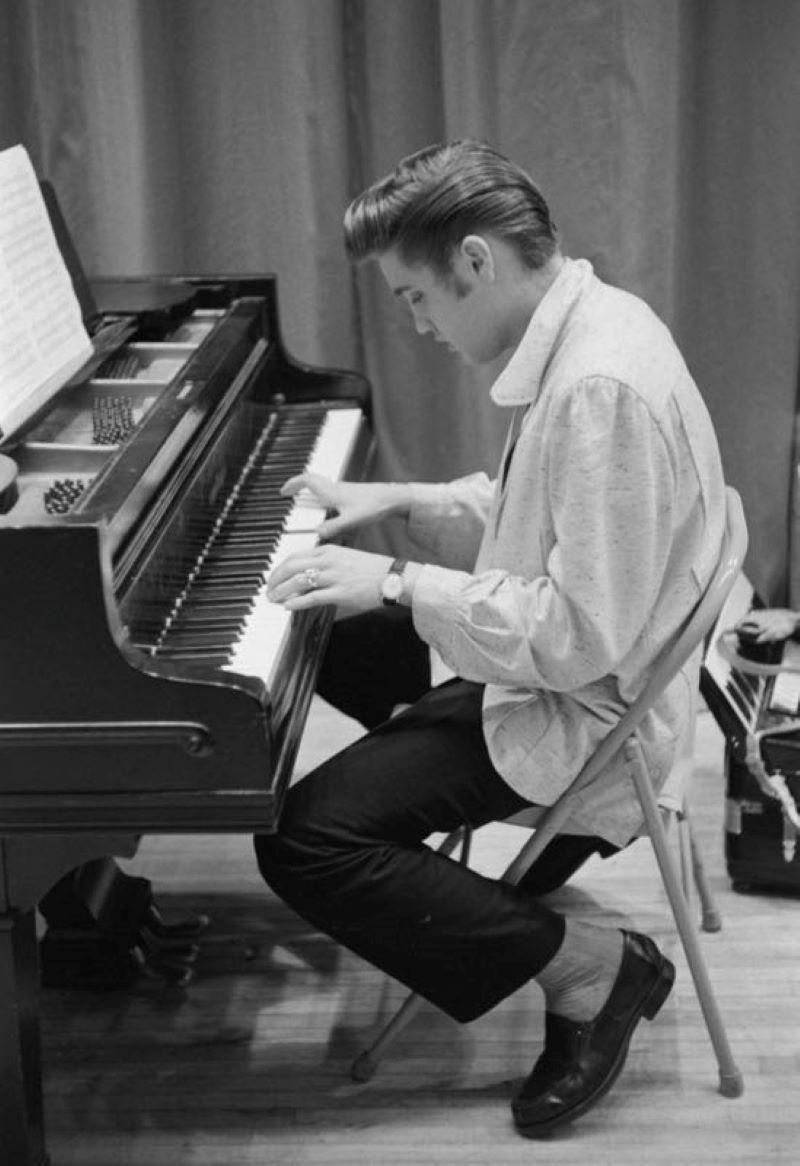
[[667, 665]]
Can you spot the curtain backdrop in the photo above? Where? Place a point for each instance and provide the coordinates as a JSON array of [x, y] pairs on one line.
[[228, 135]]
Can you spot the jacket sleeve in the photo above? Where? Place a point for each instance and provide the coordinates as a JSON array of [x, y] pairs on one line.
[[609, 508], [447, 519]]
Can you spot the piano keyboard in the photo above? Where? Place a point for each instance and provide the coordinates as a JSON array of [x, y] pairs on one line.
[[222, 615]]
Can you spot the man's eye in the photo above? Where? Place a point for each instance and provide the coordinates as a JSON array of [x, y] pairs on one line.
[[415, 299]]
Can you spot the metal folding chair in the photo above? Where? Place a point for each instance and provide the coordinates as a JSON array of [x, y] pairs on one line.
[[623, 737]]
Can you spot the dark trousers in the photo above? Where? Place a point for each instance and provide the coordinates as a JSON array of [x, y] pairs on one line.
[[350, 855], [376, 661]]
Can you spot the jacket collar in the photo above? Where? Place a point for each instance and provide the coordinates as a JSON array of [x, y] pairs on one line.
[[520, 381]]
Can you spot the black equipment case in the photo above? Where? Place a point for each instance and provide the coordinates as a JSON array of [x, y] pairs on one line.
[[762, 755]]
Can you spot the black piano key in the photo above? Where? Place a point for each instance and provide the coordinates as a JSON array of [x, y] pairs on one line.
[[243, 540], [201, 641], [244, 517], [250, 518], [183, 622], [213, 659], [222, 584], [219, 589], [238, 537], [201, 627], [212, 602], [240, 548], [242, 558], [211, 608]]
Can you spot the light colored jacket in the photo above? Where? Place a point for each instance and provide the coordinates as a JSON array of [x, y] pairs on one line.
[[561, 583]]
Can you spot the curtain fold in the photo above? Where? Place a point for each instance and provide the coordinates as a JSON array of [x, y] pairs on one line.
[[202, 136], [739, 291]]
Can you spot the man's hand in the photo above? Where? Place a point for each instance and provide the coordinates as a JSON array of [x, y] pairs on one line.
[[346, 578], [357, 503], [767, 625]]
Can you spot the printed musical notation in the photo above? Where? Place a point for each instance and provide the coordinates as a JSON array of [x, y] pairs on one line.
[[42, 337]]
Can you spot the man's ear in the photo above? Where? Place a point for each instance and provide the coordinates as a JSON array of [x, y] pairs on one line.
[[476, 253]]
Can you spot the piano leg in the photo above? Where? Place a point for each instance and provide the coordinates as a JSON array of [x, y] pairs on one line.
[[21, 1108], [29, 866]]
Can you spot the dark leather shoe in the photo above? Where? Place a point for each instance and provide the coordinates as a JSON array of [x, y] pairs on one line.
[[581, 1061]]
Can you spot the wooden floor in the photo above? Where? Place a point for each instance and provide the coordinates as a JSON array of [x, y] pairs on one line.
[[249, 1064]]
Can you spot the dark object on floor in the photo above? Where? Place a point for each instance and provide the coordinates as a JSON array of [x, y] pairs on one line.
[[105, 930]]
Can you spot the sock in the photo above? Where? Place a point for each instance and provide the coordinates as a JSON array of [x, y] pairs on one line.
[[578, 979]]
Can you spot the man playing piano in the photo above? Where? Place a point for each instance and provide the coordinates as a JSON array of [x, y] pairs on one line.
[[554, 588]]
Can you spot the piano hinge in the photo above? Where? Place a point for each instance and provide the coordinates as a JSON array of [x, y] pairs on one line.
[[193, 738]]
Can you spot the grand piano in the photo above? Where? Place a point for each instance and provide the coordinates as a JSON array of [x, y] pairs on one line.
[[147, 685]]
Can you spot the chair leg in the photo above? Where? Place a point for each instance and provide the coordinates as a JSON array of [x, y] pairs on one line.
[[365, 1064], [731, 1083], [710, 918], [685, 855]]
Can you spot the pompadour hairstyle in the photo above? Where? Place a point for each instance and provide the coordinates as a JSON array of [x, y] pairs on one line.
[[437, 196]]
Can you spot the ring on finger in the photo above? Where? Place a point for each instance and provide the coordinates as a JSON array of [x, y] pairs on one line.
[[310, 578]]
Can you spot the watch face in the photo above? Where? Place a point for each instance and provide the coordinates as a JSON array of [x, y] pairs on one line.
[[392, 587]]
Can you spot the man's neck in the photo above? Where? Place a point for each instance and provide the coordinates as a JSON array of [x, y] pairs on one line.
[[528, 294]]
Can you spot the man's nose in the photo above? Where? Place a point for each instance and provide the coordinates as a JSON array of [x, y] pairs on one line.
[[423, 324]]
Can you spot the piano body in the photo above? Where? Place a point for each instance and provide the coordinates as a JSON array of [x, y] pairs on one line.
[[755, 698], [147, 684]]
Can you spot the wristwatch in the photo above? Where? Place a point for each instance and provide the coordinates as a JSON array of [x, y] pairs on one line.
[[392, 585]]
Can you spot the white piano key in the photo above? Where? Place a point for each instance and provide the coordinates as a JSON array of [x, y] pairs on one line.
[[304, 517], [264, 634], [335, 442]]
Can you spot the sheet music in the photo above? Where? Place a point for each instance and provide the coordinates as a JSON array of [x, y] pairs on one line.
[[42, 337]]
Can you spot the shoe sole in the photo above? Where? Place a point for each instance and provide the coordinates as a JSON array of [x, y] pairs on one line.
[[651, 1006]]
